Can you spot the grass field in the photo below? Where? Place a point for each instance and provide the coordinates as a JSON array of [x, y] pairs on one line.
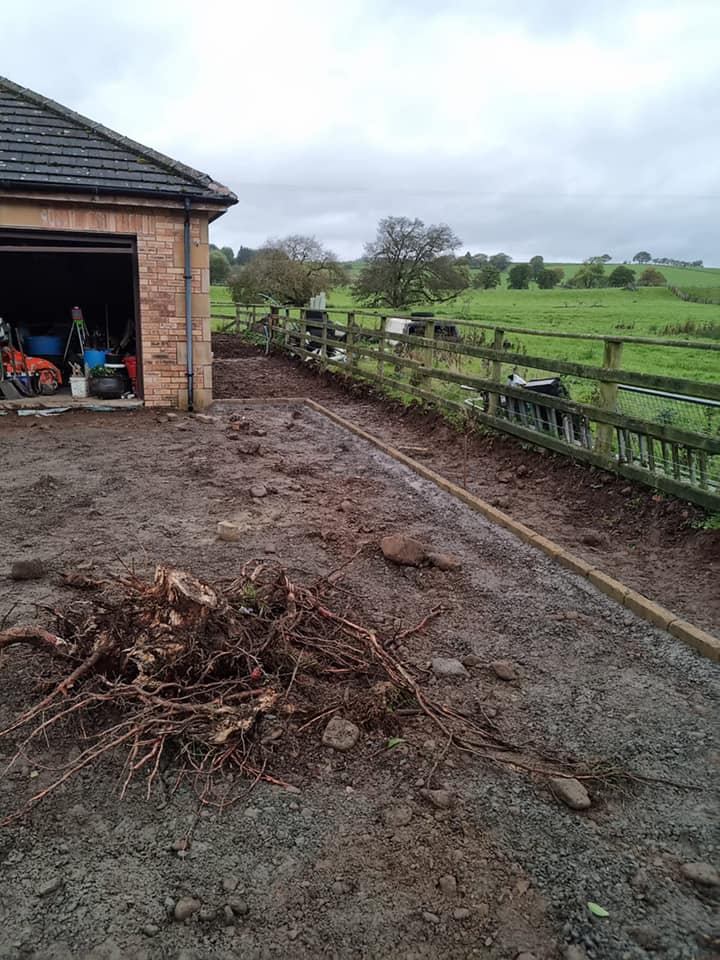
[[647, 312]]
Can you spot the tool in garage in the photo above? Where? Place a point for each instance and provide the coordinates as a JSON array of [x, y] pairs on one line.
[[79, 328]]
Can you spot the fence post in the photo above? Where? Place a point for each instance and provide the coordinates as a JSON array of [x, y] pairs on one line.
[[237, 318], [273, 323], [428, 355], [323, 345], [496, 370], [381, 361], [303, 329], [350, 339], [612, 356]]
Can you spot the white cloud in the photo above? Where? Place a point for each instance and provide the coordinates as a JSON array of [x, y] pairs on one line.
[[551, 125]]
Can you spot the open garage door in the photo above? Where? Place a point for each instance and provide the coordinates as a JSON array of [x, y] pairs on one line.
[[44, 276]]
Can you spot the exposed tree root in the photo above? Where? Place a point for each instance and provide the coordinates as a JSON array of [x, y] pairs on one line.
[[209, 679]]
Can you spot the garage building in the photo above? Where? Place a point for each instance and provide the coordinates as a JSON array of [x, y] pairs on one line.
[[91, 219]]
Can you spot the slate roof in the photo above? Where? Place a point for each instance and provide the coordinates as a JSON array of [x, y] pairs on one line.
[[45, 146]]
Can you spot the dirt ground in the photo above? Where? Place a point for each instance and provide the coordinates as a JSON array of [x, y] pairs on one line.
[[353, 862], [645, 540]]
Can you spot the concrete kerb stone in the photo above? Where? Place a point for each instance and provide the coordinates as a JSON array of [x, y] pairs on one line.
[[700, 640]]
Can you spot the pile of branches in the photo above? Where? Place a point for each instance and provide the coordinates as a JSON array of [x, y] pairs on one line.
[[205, 679]]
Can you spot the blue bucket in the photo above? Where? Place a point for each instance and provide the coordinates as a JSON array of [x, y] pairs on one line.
[[95, 358], [44, 346]]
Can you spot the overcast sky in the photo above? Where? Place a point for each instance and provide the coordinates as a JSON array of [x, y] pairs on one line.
[[561, 127]]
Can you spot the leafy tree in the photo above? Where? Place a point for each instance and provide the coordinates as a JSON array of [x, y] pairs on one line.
[[549, 277], [219, 267], [290, 271], [642, 257], [537, 265], [519, 276], [501, 261], [228, 251], [603, 258], [652, 278], [244, 255], [480, 259], [487, 278], [621, 277], [591, 274], [410, 263]]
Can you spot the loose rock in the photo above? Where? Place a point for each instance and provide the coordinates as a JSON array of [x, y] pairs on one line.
[[442, 799], [340, 734], [574, 952], [703, 874], [504, 669], [185, 908], [230, 884], [448, 667], [571, 792], [239, 907], [258, 490], [227, 530], [397, 815], [151, 930], [50, 886], [472, 660], [27, 570], [461, 913], [430, 917], [445, 561], [448, 885], [403, 550]]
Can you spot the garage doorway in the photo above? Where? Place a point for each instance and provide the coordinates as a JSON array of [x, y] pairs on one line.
[[44, 277]]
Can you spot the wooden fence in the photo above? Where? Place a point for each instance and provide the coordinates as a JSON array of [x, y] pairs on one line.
[[468, 375]]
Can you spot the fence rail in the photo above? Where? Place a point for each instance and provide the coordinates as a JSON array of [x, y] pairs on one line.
[[666, 451]]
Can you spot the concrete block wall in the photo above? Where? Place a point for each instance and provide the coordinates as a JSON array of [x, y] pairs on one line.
[[158, 229]]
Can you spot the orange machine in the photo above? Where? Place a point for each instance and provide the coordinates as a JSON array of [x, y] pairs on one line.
[[33, 373]]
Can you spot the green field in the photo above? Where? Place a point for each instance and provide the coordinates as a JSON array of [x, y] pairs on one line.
[[646, 312]]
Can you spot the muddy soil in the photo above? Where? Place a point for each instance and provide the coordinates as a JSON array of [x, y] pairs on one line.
[[650, 542], [353, 862]]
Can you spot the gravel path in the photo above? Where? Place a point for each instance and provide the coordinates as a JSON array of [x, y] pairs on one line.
[[359, 862]]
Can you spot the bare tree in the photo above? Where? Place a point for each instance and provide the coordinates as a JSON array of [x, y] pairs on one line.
[[410, 263]]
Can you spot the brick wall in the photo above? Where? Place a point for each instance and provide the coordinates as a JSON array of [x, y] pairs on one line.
[[158, 228]]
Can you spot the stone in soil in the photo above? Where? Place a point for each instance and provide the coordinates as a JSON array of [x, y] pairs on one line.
[[448, 667], [504, 669], [151, 930], [50, 886], [238, 906], [461, 913], [448, 885], [441, 799], [703, 874], [258, 490], [230, 884], [430, 917], [185, 908], [575, 952], [445, 561], [472, 660], [403, 550], [227, 530], [340, 734], [572, 793], [27, 570], [397, 815]]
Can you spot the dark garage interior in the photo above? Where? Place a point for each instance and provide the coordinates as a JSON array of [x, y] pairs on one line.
[[44, 278]]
